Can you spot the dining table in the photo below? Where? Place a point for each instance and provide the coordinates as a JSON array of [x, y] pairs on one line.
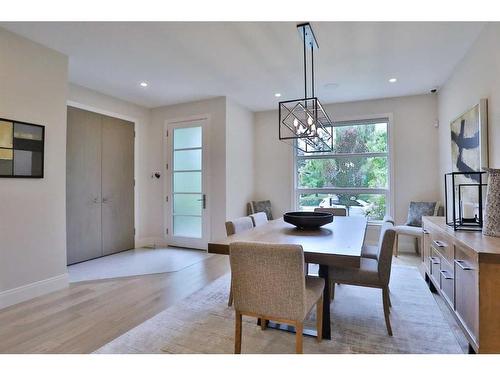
[[338, 244]]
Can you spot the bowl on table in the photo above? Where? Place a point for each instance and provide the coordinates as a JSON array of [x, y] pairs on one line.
[[308, 220]]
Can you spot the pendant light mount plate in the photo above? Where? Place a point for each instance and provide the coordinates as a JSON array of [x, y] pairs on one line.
[[305, 30]]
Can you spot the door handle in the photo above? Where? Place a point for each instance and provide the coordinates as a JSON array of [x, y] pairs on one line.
[[105, 200], [203, 201], [96, 200]]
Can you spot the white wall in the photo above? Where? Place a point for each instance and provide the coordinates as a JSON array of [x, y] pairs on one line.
[[33, 88], [415, 153], [216, 196], [95, 101], [239, 159], [477, 76]]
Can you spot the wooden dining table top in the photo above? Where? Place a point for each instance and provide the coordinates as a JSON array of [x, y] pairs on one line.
[[338, 243]]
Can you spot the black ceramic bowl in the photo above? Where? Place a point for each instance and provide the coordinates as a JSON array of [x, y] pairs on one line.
[[308, 220]]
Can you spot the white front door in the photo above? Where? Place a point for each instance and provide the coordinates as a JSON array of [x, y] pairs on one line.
[[187, 202]]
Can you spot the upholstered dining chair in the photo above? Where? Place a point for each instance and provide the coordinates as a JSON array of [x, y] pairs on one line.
[[371, 251], [259, 218], [336, 211], [373, 273], [236, 226], [269, 283], [413, 225]]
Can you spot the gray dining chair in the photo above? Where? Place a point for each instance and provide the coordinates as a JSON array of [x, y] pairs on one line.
[[269, 283], [237, 226], [372, 273], [413, 225], [371, 251], [259, 218], [336, 211]]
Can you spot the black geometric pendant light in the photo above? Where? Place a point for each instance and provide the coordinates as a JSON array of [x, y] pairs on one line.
[[303, 122]]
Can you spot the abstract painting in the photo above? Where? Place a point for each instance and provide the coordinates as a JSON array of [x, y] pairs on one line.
[[469, 145]]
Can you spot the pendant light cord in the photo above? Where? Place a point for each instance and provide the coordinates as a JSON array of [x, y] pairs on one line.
[[305, 62]]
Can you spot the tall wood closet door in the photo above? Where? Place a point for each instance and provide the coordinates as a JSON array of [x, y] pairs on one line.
[[83, 186], [117, 185]]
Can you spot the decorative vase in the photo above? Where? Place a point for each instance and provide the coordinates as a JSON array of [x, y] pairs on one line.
[[491, 225]]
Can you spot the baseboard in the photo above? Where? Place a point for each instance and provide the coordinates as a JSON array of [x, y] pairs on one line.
[[150, 242], [23, 293]]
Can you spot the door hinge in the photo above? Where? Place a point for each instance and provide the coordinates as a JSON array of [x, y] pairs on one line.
[[166, 198], [167, 133], [166, 231], [166, 166]]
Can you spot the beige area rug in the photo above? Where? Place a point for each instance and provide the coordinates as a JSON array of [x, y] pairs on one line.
[[136, 262], [202, 323]]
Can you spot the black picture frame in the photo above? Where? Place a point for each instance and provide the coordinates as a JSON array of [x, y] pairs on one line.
[[21, 144]]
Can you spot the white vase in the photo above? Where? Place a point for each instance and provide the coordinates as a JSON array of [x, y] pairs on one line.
[[491, 225]]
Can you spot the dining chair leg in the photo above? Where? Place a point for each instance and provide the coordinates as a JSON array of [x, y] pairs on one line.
[[230, 300], [263, 324], [389, 297], [385, 300], [396, 245], [332, 290], [237, 333], [299, 327], [319, 319]]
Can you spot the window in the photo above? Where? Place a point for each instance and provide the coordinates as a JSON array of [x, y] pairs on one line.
[[354, 175]]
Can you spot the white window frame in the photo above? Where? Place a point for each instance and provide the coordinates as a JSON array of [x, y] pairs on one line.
[[389, 191]]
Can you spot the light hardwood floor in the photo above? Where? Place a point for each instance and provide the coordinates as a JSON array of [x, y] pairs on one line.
[[87, 315]]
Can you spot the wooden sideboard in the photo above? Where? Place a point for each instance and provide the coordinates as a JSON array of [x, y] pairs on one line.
[[464, 268]]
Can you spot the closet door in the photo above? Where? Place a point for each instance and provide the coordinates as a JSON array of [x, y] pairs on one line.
[[117, 185], [83, 186]]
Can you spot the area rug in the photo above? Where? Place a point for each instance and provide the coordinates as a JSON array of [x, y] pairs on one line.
[[136, 262], [203, 323]]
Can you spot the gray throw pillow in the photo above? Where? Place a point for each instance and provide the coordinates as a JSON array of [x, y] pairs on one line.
[[419, 209]]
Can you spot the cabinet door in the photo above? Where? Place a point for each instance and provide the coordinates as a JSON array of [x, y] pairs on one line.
[[466, 290], [83, 186], [435, 261], [426, 249], [117, 185], [448, 282]]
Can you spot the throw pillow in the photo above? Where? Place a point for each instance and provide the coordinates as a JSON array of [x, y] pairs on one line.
[[419, 209]]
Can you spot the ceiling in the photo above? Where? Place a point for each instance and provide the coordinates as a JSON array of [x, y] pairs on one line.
[[251, 61]]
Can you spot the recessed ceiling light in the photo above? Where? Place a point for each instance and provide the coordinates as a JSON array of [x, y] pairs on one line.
[[393, 80], [143, 84], [277, 95]]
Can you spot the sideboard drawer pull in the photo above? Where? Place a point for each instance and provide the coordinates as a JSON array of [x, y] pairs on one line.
[[425, 231], [439, 243], [434, 260], [446, 275], [463, 265]]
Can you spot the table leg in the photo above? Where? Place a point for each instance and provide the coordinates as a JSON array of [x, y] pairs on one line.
[[323, 273]]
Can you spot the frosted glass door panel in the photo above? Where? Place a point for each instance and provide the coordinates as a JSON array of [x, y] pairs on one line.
[[188, 211], [187, 182], [187, 160], [187, 204], [187, 226], [187, 138]]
